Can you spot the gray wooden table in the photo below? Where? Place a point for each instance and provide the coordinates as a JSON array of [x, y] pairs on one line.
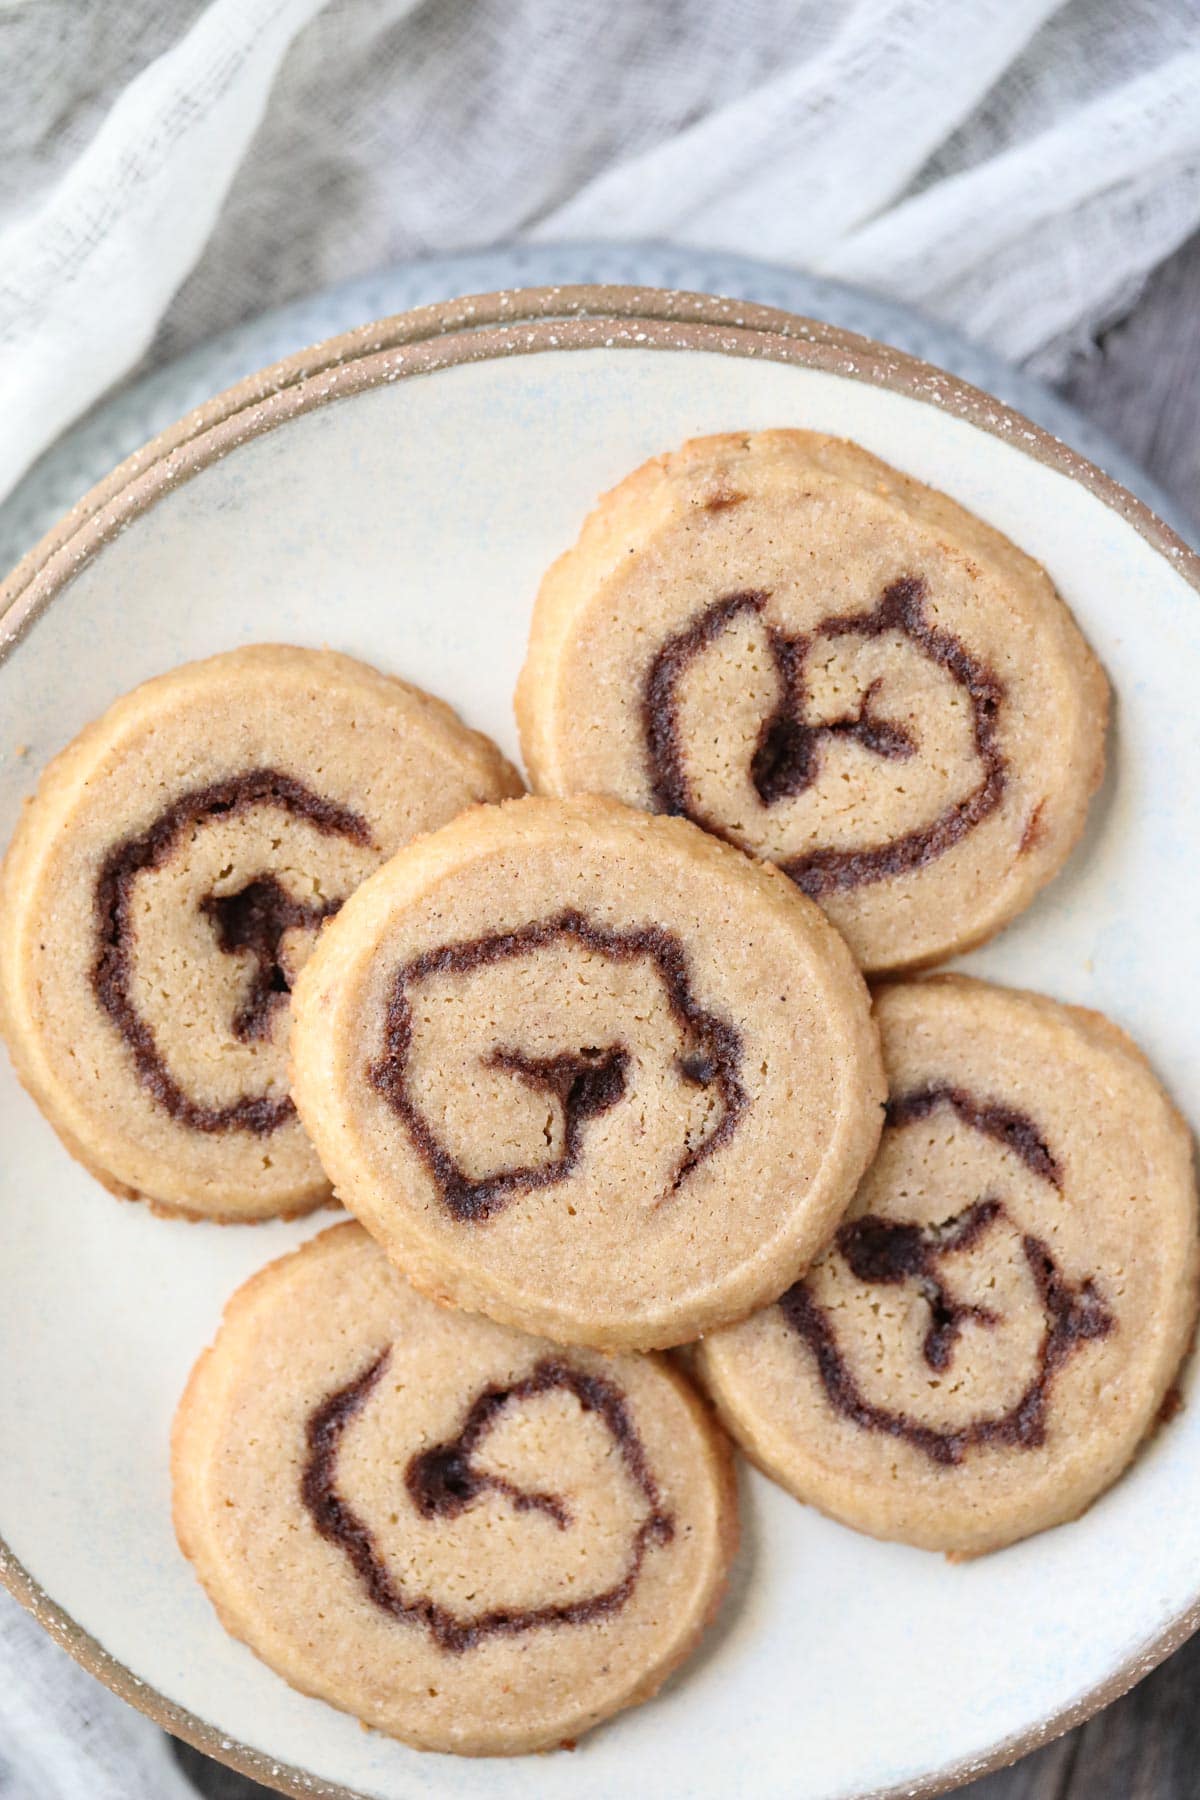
[[1144, 387]]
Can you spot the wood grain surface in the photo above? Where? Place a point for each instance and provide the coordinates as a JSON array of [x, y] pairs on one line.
[[1142, 383]]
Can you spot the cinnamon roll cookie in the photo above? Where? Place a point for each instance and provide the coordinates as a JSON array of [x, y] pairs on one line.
[[466, 1537], [836, 668], [164, 887], [997, 1323], [588, 1071]]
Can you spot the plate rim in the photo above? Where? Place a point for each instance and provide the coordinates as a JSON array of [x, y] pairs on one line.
[[479, 328]]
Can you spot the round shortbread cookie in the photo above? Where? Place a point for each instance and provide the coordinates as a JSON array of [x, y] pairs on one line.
[[464, 1536], [588, 1071], [804, 651], [999, 1320], [164, 887]]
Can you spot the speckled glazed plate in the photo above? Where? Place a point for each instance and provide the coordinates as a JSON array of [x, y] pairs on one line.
[[398, 493]]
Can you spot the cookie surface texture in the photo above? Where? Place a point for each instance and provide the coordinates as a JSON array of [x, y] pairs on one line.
[[466, 1537], [999, 1319], [164, 886], [840, 670], [588, 1071]]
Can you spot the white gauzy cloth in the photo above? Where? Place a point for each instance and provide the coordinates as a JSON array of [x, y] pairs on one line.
[[168, 167], [63, 1736]]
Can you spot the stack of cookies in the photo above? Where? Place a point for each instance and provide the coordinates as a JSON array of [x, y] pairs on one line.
[[598, 1073]]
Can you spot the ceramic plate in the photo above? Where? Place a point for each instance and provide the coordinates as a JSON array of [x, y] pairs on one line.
[[128, 418], [398, 494]]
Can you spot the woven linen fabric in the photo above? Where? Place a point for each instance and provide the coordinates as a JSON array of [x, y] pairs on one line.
[[1016, 167]]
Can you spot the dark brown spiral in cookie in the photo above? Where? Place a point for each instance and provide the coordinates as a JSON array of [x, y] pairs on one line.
[[886, 1252], [444, 1480], [787, 757], [254, 919], [584, 1083]]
